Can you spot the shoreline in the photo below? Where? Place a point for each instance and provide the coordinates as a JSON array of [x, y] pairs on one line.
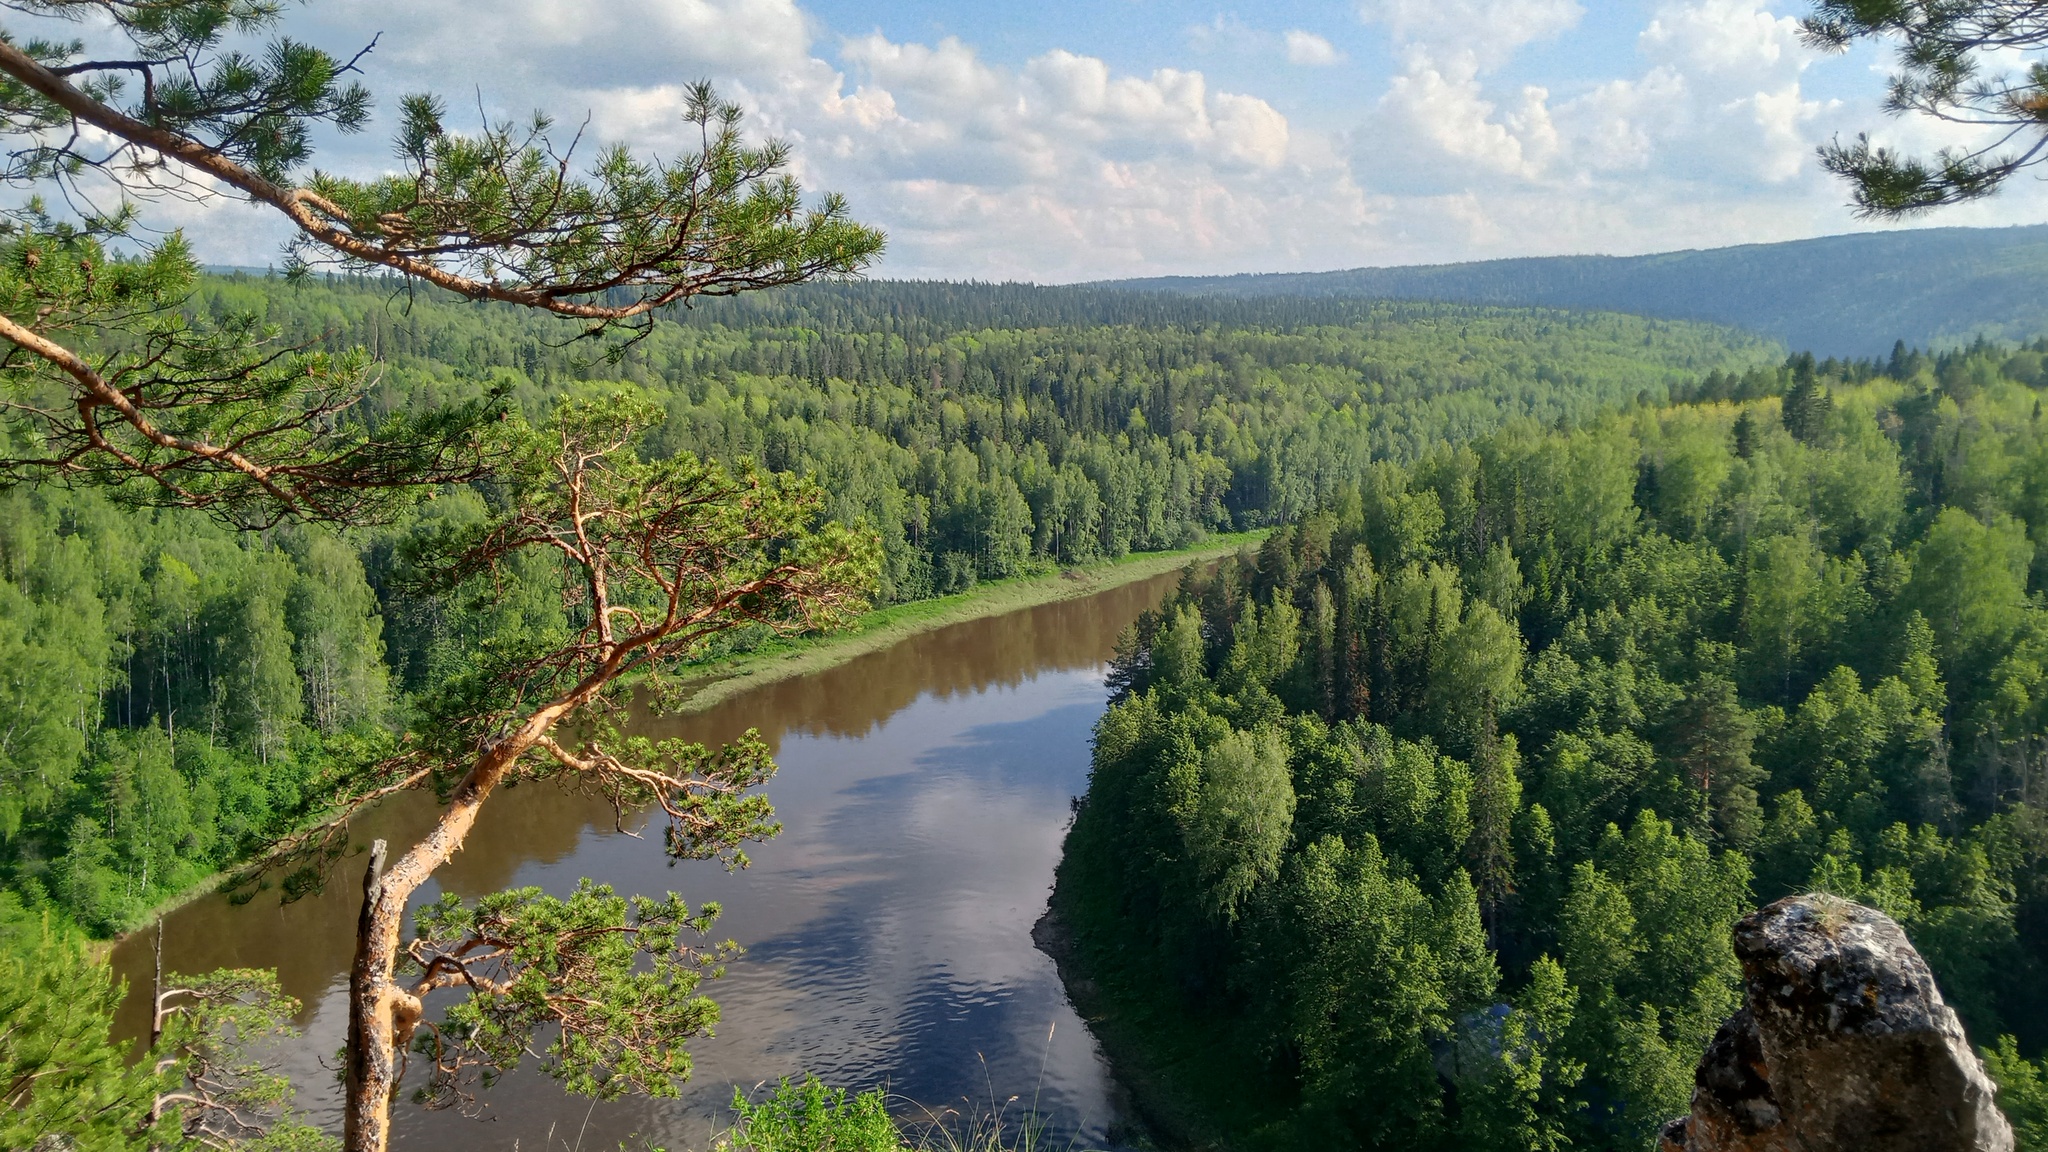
[[717, 682], [1159, 1110]]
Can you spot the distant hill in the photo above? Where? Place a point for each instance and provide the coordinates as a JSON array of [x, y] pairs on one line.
[[1835, 296]]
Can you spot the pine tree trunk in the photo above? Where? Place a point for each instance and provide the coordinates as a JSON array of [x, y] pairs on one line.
[[372, 1071], [382, 1012]]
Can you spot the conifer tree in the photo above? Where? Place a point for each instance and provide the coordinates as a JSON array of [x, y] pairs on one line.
[[199, 1081], [1951, 56], [1714, 739], [656, 558], [107, 381], [1496, 802], [58, 1071]]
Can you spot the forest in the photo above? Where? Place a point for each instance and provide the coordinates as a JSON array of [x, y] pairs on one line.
[[1579, 635], [980, 427], [175, 691], [1571, 635], [1849, 295], [1440, 805]]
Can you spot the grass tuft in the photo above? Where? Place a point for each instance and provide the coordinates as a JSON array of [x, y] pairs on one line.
[[808, 1116]]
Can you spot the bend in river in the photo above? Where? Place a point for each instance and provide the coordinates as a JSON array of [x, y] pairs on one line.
[[924, 789]]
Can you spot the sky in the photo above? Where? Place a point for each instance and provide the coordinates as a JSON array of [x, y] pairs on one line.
[[1060, 141]]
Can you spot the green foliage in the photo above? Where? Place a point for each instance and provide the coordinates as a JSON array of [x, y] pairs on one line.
[[616, 979], [61, 1072], [653, 558], [1711, 738], [257, 109], [175, 692], [215, 1030], [178, 694], [1236, 820], [810, 1117], [980, 430], [2022, 1093], [1376, 968], [1943, 53], [203, 1084], [1513, 1081], [657, 560], [166, 385], [498, 208], [109, 383], [1590, 696], [1392, 754], [337, 635]]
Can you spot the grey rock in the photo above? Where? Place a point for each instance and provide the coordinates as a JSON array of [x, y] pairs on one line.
[[1843, 1042]]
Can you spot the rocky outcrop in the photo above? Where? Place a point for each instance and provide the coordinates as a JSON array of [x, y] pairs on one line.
[[1843, 1042]]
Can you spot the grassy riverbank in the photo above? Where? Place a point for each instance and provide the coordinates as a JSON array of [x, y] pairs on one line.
[[724, 679], [721, 680]]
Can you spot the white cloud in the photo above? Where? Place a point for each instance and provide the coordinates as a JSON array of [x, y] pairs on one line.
[[1058, 165], [1743, 115], [1443, 127], [1710, 136], [1728, 38], [1310, 50], [555, 42], [1064, 163], [1617, 126], [1223, 31], [1062, 167], [1487, 31], [1438, 128]]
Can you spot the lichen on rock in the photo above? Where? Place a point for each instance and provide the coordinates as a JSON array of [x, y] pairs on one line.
[[1843, 1042]]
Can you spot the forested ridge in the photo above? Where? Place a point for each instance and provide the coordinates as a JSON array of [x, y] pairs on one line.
[[1836, 295], [173, 692], [1440, 807]]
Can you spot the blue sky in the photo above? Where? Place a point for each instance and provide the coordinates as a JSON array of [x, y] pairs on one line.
[[1067, 141]]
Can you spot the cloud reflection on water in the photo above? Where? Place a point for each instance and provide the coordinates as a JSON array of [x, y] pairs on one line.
[[924, 791]]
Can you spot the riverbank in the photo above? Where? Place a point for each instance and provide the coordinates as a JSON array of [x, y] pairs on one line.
[[1165, 1116], [714, 683], [1189, 1082], [925, 788]]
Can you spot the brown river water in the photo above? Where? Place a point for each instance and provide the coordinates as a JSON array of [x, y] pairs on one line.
[[924, 791]]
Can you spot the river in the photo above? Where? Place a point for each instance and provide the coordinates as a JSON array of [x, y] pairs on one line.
[[924, 790]]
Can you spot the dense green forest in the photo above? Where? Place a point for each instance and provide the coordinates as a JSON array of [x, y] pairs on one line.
[[1836, 295], [978, 427], [1583, 634], [1441, 806], [174, 690]]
